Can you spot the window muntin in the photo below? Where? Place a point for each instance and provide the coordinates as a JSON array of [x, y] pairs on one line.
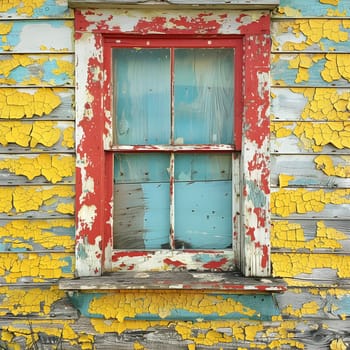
[[177, 100]]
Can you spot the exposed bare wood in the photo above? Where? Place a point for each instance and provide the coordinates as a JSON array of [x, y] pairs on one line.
[[174, 280]]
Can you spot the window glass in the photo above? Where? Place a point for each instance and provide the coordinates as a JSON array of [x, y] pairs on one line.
[[203, 101], [141, 201], [203, 201], [142, 80]]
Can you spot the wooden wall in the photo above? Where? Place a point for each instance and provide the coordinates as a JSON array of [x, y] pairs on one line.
[[310, 200]]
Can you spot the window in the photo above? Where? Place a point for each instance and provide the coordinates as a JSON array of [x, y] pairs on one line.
[[173, 153], [172, 134]]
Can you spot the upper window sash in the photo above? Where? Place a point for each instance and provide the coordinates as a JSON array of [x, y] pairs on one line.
[[231, 120]]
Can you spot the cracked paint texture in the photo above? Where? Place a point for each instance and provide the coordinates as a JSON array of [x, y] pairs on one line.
[[290, 265], [323, 34], [33, 198], [46, 133], [305, 69], [53, 167], [25, 302], [30, 235], [19, 104], [301, 201], [22, 70], [316, 104], [291, 236], [166, 305], [34, 267], [315, 136], [300, 8], [325, 163], [34, 8]]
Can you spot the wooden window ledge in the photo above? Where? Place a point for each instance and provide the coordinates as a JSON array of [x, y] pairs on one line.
[[179, 280]]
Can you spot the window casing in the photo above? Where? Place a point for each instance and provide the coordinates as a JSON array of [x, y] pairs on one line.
[[116, 158]]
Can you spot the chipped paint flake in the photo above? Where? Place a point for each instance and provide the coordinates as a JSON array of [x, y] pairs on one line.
[[325, 163], [291, 236], [18, 104], [286, 202]]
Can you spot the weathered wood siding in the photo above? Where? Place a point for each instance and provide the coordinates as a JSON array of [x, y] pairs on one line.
[[310, 199]]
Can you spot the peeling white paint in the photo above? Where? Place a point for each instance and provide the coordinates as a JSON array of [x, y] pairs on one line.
[[87, 215]]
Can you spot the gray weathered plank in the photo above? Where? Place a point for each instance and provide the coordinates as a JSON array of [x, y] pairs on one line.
[[44, 70], [24, 10], [22, 36], [310, 137], [38, 169], [310, 104], [24, 202], [311, 35], [328, 171], [312, 8], [36, 136], [309, 69], [39, 103], [37, 235]]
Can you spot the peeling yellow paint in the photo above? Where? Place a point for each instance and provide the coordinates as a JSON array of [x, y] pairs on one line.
[[318, 135], [325, 104], [301, 201], [336, 67], [16, 60], [307, 309], [5, 28], [46, 133], [25, 7], [284, 179], [53, 167], [292, 264], [330, 2], [315, 136], [325, 163], [291, 236], [25, 234], [338, 344], [303, 62], [125, 305], [314, 31], [35, 267], [281, 129], [28, 301], [16, 104], [22, 199], [68, 138]]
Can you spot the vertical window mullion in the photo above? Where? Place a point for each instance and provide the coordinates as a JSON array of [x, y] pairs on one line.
[[172, 156]]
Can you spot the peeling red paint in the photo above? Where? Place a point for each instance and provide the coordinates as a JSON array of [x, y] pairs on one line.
[[175, 263], [252, 104], [215, 264], [128, 254], [261, 216]]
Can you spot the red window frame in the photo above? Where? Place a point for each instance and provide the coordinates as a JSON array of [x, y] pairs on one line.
[[94, 30]]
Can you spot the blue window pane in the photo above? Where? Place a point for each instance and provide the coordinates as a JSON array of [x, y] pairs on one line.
[[203, 101], [203, 214], [203, 200], [142, 101], [141, 201], [203, 167], [138, 168]]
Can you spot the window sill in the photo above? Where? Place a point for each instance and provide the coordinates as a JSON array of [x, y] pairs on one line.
[[182, 280]]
